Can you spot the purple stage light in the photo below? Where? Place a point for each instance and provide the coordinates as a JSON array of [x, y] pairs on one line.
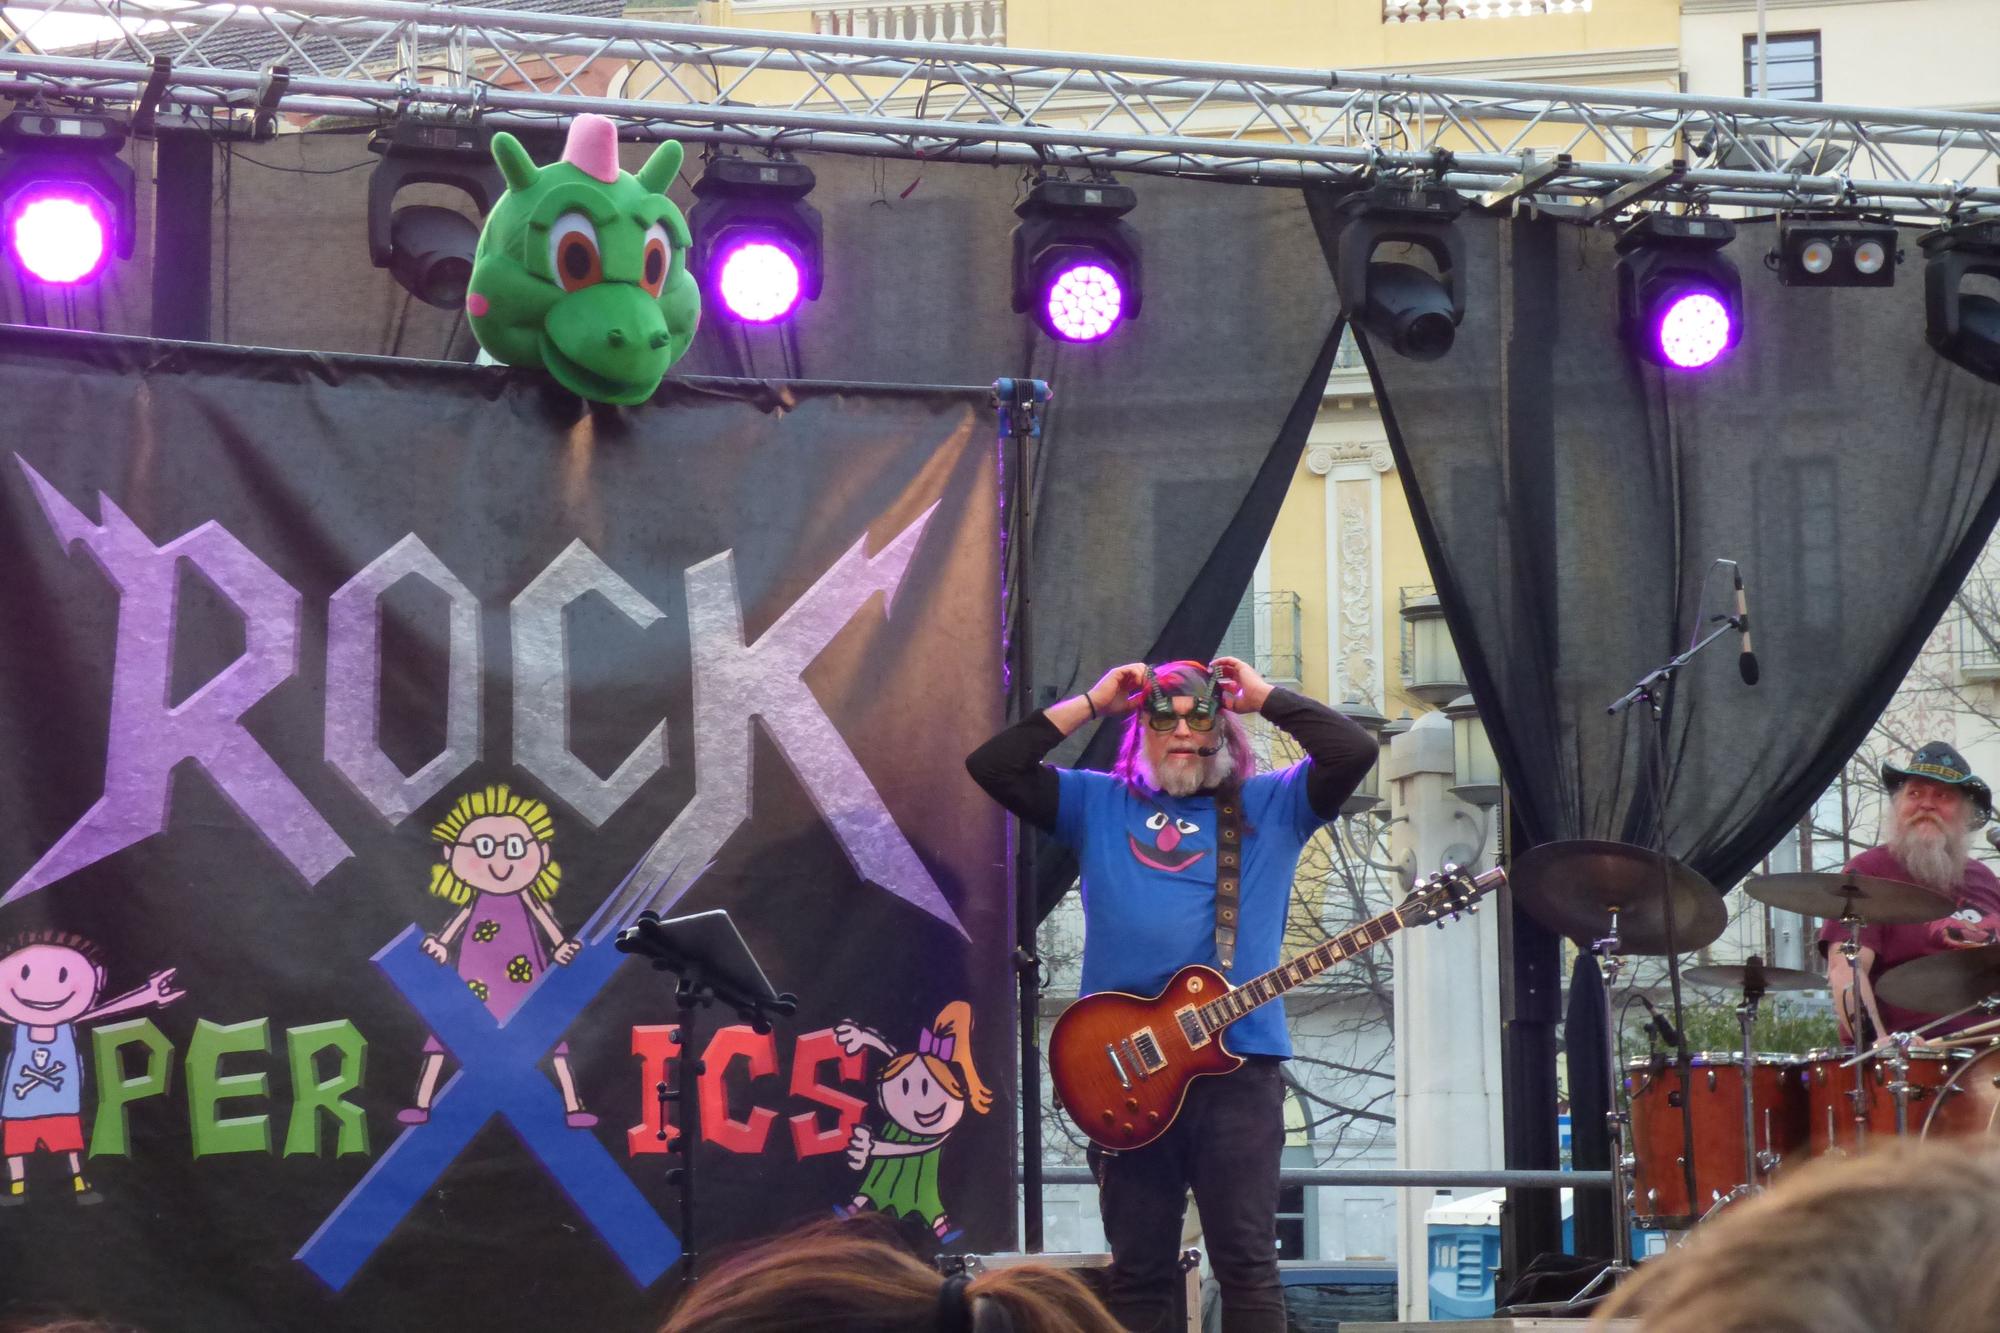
[[59, 236], [1695, 329], [759, 281], [1084, 301]]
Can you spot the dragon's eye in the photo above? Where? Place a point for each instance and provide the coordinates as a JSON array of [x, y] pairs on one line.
[[659, 256], [573, 253]]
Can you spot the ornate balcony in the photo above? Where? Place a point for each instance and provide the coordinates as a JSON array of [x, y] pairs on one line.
[[966, 22], [1421, 11]]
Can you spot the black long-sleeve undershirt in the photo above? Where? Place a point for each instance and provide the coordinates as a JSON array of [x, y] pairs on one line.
[[1009, 767]]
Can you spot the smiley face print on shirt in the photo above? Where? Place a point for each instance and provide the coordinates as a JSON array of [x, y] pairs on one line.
[[1162, 843]]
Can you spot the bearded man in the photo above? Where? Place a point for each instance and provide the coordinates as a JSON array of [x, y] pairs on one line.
[[1187, 856], [1935, 804]]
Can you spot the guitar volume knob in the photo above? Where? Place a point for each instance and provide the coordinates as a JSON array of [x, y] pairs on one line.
[[1131, 1103]]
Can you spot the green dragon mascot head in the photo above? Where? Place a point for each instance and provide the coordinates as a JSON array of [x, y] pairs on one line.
[[582, 268]]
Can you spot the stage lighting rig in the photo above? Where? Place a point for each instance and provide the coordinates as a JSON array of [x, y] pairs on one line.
[[1816, 252], [66, 197], [1077, 262], [757, 242], [1680, 299], [428, 248], [1964, 326], [1414, 308]]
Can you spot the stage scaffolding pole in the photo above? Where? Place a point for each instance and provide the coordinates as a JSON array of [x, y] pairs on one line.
[[1020, 402]]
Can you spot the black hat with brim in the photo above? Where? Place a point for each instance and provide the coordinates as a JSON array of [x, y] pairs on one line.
[[1941, 763]]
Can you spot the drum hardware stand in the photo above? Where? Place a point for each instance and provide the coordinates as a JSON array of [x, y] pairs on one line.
[[1857, 1096], [1615, 1118], [1756, 1165]]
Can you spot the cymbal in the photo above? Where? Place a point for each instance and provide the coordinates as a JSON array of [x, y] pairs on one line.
[[1943, 983], [1730, 977], [1575, 888], [1877, 901]]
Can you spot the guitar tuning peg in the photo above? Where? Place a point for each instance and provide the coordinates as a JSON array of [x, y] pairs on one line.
[[1449, 869], [1472, 908]]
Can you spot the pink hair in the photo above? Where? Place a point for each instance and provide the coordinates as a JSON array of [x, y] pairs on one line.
[[1130, 767]]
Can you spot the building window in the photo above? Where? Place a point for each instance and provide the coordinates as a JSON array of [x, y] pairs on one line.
[[1793, 66]]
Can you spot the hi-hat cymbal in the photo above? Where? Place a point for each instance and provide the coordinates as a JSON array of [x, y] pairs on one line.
[[1943, 983], [1730, 977], [1877, 901], [1576, 888]]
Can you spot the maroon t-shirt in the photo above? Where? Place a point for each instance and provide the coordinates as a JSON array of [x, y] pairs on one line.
[[1977, 919]]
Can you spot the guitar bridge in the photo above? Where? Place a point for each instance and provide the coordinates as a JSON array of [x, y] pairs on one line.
[[1192, 1031]]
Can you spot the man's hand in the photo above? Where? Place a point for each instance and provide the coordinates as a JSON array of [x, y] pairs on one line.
[[1117, 692], [859, 1147], [1243, 690]]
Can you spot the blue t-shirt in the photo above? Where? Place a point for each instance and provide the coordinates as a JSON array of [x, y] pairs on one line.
[[1148, 871]]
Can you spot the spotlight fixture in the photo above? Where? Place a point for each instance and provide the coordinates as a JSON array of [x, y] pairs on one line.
[[1963, 326], [1077, 263], [1820, 253], [428, 248], [1412, 308], [66, 197], [1680, 300], [757, 242]]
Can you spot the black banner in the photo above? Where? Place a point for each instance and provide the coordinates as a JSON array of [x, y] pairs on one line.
[[348, 709]]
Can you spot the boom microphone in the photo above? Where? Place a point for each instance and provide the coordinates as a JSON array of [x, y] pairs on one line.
[[1668, 1033], [1746, 662]]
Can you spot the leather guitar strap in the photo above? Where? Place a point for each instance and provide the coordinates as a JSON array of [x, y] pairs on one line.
[[1228, 870]]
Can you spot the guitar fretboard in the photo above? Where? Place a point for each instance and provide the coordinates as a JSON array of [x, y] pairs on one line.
[[1220, 1013]]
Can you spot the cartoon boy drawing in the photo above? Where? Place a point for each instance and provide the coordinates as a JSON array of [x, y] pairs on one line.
[[49, 982], [495, 866], [923, 1094]]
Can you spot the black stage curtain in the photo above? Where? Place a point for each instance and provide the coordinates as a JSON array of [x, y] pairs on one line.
[[1571, 499]]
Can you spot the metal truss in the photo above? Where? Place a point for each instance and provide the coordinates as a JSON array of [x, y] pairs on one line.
[[1594, 149]]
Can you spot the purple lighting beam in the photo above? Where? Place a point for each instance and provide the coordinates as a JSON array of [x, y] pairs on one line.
[[1085, 302], [760, 281], [59, 236], [1695, 329]]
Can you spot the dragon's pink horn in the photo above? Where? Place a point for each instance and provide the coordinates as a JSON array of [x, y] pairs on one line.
[[593, 147]]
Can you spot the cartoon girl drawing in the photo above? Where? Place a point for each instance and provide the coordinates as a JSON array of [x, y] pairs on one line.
[[496, 868], [923, 1094]]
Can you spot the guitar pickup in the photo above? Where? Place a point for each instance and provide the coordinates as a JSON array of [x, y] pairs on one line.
[[1146, 1051], [1192, 1031]]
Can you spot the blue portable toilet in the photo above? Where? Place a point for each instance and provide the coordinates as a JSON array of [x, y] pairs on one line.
[[1464, 1240]]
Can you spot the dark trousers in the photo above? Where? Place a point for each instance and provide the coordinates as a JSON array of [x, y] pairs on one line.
[[1225, 1146]]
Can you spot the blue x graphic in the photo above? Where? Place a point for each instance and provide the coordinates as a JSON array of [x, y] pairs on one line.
[[498, 1074]]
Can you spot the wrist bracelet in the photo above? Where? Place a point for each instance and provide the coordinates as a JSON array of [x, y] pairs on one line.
[[1092, 702]]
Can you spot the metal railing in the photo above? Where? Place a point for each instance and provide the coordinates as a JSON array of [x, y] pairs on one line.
[[1405, 1179], [1265, 632]]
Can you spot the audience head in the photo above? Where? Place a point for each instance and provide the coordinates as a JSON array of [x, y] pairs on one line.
[[1902, 1239], [837, 1277]]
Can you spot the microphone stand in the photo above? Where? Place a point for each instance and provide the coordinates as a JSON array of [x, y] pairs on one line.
[[1655, 689], [712, 964]]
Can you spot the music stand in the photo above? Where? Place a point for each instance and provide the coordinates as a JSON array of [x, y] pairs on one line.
[[708, 954]]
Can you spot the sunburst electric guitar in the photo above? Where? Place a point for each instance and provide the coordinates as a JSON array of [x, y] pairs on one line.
[[1121, 1064]]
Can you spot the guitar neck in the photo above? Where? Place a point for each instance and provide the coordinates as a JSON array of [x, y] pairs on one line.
[[1220, 1013]]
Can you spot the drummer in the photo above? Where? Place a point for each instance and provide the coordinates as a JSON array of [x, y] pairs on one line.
[[1935, 805]]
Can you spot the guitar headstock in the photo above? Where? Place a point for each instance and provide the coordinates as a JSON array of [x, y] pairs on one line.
[[1447, 894]]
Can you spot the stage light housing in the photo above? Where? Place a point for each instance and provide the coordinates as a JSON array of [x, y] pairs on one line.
[[67, 200], [428, 249], [1411, 309], [1814, 253], [758, 244], [1963, 326], [1078, 267], [1680, 300]]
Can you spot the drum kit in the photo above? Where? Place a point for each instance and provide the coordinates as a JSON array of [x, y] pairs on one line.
[[1720, 1125]]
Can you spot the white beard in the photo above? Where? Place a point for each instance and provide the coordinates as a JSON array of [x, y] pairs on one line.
[[1935, 857], [1185, 778]]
